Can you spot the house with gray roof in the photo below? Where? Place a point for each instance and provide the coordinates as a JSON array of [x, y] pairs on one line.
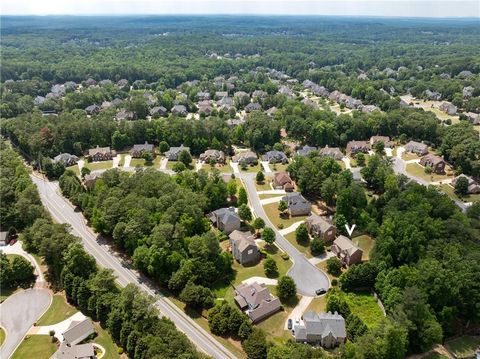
[[4, 238], [325, 329], [76, 333], [473, 186], [122, 83], [257, 302], [297, 204], [225, 219], [320, 227], [436, 163], [208, 155], [271, 111], [448, 107], [221, 94], [203, 95], [346, 251], [259, 94], [354, 147], [125, 115], [99, 154], [158, 111], [417, 148], [333, 152], [66, 159], [243, 247], [385, 139], [179, 110], [173, 152], [473, 118], [275, 157], [138, 150], [248, 157], [253, 106], [305, 150], [92, 109]]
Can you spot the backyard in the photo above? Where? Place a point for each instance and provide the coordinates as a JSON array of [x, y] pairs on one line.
[[58, 311], [273, 214], [463, 347], [447, 189], [365, 306], [419, 171], [251, 169], [366, 243]]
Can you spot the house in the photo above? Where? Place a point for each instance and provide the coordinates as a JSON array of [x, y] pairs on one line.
[[325, 329], [66, 159], [90, 180], [235, 122], [122, 83], [124, 115], [106, 105], [297, 204], [449, 108], [467, 92], [80, 351], [248, 157], [473, 118], [90, 82], [221, 94], [158, 111], [39, 100], [225, 101], [257, 302], [203, 95], [179, 110], [319, 91], [205, 109], [473, 186], [253, 106], [99, 154], [225, 219], [385, 139], [271, 111], [369, 108], [282, 180], [285, 90], [208, 155], [138, 150], [320, 227], [346, 251], [243, 247], [76, 333], [436, 163], [333, 152], [173, 152], [433, 95], [92, 109], [259, 94], [275, 157], [354, 147], [417, 148], [308, 102], [240, 94], [305, 150], [4, 238]]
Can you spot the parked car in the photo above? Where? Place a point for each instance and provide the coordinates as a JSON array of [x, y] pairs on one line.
[[290, 324], [12, 242], [320, 291]]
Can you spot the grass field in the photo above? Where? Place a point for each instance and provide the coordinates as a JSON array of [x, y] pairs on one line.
[[435, 355], [419, 171], [264, 186], [304, 248], [447, 189], [463, 347], [318, 304], [273, 214], [265, 196], [35, 346], [122, 159], [251, 169], [365, 306], [275, 324], [366, 244], [222, 168], [102, 165], [2, 336], [75, 169], [278, 167], [408, 156], [104, 339], [58, 311]]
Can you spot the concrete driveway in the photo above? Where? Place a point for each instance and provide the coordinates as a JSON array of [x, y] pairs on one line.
[[18, 313]]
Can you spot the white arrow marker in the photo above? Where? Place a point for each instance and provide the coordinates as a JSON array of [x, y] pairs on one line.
[[350, 229]]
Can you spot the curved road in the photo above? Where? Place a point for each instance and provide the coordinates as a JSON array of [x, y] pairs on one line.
[[18, 313], [307, 277]]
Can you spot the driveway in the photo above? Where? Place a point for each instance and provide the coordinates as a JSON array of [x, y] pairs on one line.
[[163, 163], [116, 161], [127, 160], [260, 280], [307, 277], [18, 313], [58, 328], [266, 166], [234, 166], [298, 311]]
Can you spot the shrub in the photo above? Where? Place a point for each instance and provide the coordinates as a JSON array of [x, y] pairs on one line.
[[334, 266], [317, 246], [270, 267], [286, 288], [334, 282], [51, 333], [120, 350], [280, 226]]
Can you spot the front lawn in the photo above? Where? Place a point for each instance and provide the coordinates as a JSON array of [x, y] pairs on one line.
[[419, 171], [221, 168], [35, 346], [58, 311], [265, 196], [101, 165], [105, 340], [302, 247], [2, 336], [463, 347], [278, 167], [265, 185], [366, 243], [251, 169], [273, 214], [74, 169], [171, 164], [365, 306], [447, 189], [408, 156]]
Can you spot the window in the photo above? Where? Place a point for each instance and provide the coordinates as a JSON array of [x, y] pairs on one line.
[[250, 251]]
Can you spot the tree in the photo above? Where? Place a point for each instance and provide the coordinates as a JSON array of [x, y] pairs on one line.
[[379, 147], [317, 246], [163, 146], [258, 223], [340, 221], [270, 267], [360, 157], [355, 327], [268, 235], [185, 157], [179, 167], [336, 303], [334, 266], [85, 171], [260, 177], [197, 296], [286, 288], [245, 213], [255, 346], [301, 234], [282, 207], [242, 196], [461, 185], [232, 188]]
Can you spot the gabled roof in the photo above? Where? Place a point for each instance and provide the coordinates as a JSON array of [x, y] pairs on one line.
[[320, 222], [253, 293], [324, 323], [93, 151], [225, 215], [305, 150], [345, 244], [243, 240], [143, 147], [78, 330]]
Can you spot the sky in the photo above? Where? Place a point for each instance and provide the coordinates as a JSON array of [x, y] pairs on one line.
[[409, 8]]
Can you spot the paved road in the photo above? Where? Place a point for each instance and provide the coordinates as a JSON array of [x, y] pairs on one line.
[[62, 211], [307, 277], [18, 313]]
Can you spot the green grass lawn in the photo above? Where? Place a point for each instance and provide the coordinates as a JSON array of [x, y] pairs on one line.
[[2, 336], [138, 162], [75, 169], [451, 193], [264, 186], [102, 165], [35, 346], [252, 169], [275, 324], [342, 164], [435, 355], [419, 171], [265, 196], [171, 164], [463, 347], [278, 167], [58, 311], [366, 244], [302, 247], [318, 304], [408, 156], [273, 214], [105, 340], [365, 306], [222, 168]]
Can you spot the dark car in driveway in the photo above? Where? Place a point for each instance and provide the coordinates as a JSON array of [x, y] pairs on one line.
[[320, 291], [289, 324]]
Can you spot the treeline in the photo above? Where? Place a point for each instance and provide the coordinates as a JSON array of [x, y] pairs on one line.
[[126, 313]]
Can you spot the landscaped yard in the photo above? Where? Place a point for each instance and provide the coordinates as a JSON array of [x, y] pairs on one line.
[[278, 167], [304, 248], [222, 168], [366, 244], [104, 339], [408, 156], [273, 214], [264, 186], [451, 193], [318, 304], [265, 196], [101, 165], [74, 168], [274, 325], [171, 164], [365, 306], [419, 171], [58, 311], [35, 346], [253, 169], [122, 159], [463, 347], [435, 355]]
